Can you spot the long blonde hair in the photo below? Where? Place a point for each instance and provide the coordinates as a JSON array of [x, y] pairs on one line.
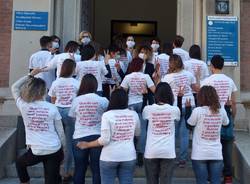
[[33, 89]]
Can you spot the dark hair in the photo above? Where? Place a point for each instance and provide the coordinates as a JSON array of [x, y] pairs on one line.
[[118, 99], [135, 65], [87, 52], [54, 37], [178, 41], [113, 48], [195, 52], [44, 41], [217, 61], [168, 48], [175, 63], [164, 93], [156, 39], [88, 85], [71, 47], [145, 47], [207, 96], [67, 68]]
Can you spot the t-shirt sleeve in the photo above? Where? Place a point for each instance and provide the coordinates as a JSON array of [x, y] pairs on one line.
[[149, 81], [124, 83], [52, 91], [104, 70], [234, 88], [105, 103], [225, 120], [205, 69], [52, 64], [193, 79], [31, 63], [166, 79], [72, 110], [177, 113], [145, 114], [57, 114], [193, 119]]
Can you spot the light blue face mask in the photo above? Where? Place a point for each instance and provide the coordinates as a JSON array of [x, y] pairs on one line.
[[55, 45], [78, 52]]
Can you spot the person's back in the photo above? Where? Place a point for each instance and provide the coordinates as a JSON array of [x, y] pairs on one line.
[[163, 60], [122, 125], [96, 68], [177, 44], [194, 66], [41, 58]]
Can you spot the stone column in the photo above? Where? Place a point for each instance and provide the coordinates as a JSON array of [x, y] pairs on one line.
[[185, 21], [71, 20]]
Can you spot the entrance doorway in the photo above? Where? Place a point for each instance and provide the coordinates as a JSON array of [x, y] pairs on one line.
[[162, 13]]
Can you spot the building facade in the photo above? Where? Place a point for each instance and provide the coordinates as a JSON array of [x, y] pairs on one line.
[[66, 18]]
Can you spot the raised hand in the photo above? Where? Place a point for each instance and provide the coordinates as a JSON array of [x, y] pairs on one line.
[[106, 57], [181, 91]]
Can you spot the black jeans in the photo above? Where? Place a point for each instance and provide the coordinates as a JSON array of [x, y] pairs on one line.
[[159, 169], [227, 149], [51, 165]]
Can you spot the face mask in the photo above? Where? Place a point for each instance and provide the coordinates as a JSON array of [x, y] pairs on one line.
[[85, 40], [117, 57], [55, 45], [155, 46], [141, 55], [130, 44], [78, 52]]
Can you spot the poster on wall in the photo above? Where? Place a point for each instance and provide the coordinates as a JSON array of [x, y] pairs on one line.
[[31, 21], [223, 39]]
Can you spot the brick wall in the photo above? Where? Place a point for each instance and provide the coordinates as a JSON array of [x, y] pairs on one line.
[[5, 40], [245, 45]]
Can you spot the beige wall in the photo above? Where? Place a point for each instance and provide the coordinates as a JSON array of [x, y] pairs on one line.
[[162, 11], [24, 43]]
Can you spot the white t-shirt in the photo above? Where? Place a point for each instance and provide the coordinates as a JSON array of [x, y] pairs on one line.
[[96, 68], [115, 76], [58, 60], [41, 59], [88, 110], [39, 118], [161, 130], [223, 85], [182, 53], [136, 82], [193, 65], [163, 59], [65, 90], [123, 125], [206, 136], [181, 79]]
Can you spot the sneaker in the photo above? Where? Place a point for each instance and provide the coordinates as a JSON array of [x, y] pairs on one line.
[[182, 164], [228, 180]]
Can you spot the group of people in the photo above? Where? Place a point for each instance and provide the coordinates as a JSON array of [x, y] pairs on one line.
[[131, 104]]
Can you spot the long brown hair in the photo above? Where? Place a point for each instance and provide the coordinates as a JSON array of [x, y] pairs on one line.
[[207, 96], [175, 63], [67, 68], [88, 85]]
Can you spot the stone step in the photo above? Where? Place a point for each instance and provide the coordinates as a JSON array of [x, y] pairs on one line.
[[88, 181], [37, 171], [7, 147]]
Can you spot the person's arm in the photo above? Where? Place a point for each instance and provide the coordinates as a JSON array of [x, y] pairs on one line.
[[192, 120], [15, 88], [59, 130], [53, 99]]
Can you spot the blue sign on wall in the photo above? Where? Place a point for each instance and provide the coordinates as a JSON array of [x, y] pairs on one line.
[[31, 20], [222, 39]]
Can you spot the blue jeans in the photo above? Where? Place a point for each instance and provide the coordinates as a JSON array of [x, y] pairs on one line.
[[82, 158], [142, 139], [69, 128], [182, 134], [207, 168], [123, 170]]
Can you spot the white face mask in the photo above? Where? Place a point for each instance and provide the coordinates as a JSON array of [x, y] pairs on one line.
[[85, 40], [155, 46], [55, 45], [78, 52], [130, 44], [141, 55]]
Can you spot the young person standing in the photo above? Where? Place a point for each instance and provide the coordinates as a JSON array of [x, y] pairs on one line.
[[226, 90]]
